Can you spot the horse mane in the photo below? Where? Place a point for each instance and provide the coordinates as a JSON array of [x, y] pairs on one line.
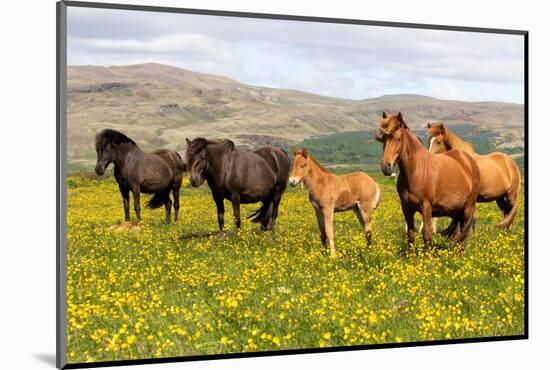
[[457, 143], [111, 136], [200, 143], [314, 160], [415, 139], [318, 164], [228, 143]]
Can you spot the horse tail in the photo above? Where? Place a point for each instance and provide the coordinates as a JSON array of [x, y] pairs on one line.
[[451, 229], [262, 214], [159, 199], [281, 170], [464, 233], [512, 198]]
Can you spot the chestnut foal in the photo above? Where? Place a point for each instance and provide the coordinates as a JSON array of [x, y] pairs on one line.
[[329, 193]]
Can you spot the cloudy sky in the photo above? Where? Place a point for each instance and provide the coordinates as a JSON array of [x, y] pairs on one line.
[[348, 61]]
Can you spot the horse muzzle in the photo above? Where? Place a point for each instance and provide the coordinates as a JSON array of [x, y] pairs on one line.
[[387, 169], [195, 181], [293, 181], [99, 170]]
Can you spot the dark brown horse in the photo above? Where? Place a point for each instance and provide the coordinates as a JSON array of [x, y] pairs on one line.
[[240, 177], [500, 177], [157, 173], [434, 185]]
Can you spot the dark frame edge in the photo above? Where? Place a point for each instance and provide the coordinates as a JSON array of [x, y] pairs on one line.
[[239, 355], [288, 17], [61, 116], [526, 183]]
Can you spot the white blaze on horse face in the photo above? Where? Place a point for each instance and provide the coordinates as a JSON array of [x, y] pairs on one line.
[[294, 180], [431, 144]]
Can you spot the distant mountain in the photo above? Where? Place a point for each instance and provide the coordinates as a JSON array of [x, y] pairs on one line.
[[159, 106]]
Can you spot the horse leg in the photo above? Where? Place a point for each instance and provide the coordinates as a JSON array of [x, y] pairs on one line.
[[427, 223], [137, 208], [321, 223], [409, 219], [466, 223], [364, 219], [275, 212], [176, 194], [328, 214], [126, 201], [267, 218], [168, 206], [503, 205], [221, 210], [236, 203]]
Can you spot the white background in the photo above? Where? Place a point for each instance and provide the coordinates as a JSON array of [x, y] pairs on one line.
[[27, 183]]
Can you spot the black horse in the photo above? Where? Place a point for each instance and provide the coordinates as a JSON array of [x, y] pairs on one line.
[[240, 177], [155, 173]]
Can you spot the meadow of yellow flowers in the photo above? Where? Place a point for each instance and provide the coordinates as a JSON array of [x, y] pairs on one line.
[[176, 290]]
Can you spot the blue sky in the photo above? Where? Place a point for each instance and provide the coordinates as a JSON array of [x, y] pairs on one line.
[[346, 61]]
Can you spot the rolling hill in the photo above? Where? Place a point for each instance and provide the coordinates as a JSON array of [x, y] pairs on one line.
[[159, 106]]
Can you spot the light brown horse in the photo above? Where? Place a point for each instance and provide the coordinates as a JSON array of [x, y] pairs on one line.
[[500, 177], [329, 193], [433, 185]]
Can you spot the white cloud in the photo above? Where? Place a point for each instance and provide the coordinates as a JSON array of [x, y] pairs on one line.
[[174, 43], [351, 61]]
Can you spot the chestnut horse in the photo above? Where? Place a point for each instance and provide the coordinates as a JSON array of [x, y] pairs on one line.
[[433, 185], [329, 193], [500, 177]]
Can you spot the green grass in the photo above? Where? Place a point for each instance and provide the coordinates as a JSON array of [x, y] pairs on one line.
[[182, 290], [345, 147]]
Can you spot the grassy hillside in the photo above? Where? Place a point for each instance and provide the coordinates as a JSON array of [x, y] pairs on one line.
[[159, 106]]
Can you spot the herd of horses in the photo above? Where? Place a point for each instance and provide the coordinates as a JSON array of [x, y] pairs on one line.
[[448, 179]]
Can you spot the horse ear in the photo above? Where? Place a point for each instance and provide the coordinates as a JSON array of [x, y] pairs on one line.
[[231, 144], [304, 152], [429, 125], [188, 141], [384, 115], [442, 129], [401, 121]]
